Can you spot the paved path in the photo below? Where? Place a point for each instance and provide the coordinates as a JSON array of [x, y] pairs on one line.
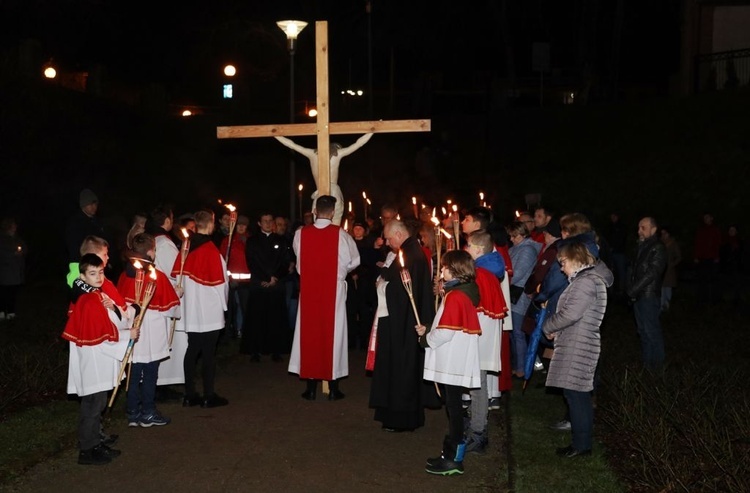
[[271, 440]]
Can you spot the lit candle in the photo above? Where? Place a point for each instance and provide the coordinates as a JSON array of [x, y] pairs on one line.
[[481, 199], [299, 194], [414, 206], [364, 203], [456, 229]]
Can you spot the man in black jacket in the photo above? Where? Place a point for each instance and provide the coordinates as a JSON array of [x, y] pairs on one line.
[[265, 326], [645, 290]]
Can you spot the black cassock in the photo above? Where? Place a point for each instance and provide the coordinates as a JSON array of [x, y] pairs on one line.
[[398, 393], [265, 329]]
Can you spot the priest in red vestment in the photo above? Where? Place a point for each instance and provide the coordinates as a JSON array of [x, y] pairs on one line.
[[325, 255]]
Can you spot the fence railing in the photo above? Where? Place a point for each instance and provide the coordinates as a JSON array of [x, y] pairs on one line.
[[722, 70]]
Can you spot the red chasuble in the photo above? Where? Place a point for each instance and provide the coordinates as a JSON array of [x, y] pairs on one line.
[[89, 323], [202, 265], [491, 299], [319, 255], [164, 298], [459, 314]]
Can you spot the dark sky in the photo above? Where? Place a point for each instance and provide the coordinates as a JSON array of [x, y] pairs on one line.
[[183, 45]]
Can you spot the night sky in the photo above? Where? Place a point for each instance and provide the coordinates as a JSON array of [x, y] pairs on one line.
[[183, 45]]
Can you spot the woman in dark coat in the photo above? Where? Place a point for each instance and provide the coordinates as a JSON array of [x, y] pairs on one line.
[[575, 330]]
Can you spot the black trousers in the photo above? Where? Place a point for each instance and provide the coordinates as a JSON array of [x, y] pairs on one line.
[[265, 324], [201, 344]]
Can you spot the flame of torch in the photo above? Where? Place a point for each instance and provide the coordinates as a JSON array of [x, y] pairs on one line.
[[183, 254], [232, 223], [139, 275]]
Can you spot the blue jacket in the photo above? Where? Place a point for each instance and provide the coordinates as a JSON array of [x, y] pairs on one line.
[[493, 262], [556, 281]]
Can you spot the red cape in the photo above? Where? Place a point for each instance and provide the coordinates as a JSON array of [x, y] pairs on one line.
[[491, 300], [202, 265], [89, 323], [459, 313], [319, 254], [164, 298]]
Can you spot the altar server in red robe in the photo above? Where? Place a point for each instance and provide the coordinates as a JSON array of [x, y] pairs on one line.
[[325, 255], [204, 302], [98, 340]]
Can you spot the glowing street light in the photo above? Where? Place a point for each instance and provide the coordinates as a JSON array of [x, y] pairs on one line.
[[292, 30], [50, 72], [230, 70]]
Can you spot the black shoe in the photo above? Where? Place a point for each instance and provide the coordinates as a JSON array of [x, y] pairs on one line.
[[93, 457], [214, 401], [109, 452], [191, 400], [309, 395], [570, 452], [109, 440], [444, 467], [335, 395]]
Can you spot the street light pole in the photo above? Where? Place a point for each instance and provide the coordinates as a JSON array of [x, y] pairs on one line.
[[292, 30]]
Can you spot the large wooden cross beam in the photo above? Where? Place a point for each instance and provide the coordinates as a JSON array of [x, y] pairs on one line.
[[322, 128]]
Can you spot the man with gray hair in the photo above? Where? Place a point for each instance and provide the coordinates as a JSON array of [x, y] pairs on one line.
[[645, 291], [398, 393]]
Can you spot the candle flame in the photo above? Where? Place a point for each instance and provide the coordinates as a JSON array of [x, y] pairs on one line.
[[368, 202], [435, 220], [414, 200], [230, 207], [152, 272], [364, 195], [481, 195], [447, 234], [401, 258], [449, 201], [350, 206], [518, 214], [433, 212], [444, 211], [137, 264], [300, 187], [398, 217], [184, 233], [455, 208], [346, 225]]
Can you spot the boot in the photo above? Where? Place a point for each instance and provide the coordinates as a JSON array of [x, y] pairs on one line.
[[309, 393], [450, 461], [334, 394]]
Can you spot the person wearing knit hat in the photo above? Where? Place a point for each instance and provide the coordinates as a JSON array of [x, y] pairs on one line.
[[82, 224], [553, 230], [88, 198]]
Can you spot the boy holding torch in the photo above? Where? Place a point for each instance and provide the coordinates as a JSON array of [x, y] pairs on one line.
[[96, 330]]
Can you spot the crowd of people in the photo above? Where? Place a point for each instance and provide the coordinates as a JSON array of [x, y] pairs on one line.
[[444, 311]]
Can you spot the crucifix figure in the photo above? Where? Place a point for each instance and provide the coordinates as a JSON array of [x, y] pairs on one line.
[[323, 129], [337, 152]]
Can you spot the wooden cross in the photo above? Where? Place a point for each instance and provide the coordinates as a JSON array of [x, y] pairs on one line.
[[323, 128]]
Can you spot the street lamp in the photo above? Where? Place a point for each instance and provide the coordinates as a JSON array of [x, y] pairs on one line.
[[292, 30]]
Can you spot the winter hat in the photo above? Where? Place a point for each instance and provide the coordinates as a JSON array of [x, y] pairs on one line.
[[87, 197], [553, 228], [243, 220]]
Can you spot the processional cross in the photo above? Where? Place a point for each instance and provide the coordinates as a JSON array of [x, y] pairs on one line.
[[322, 128]]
